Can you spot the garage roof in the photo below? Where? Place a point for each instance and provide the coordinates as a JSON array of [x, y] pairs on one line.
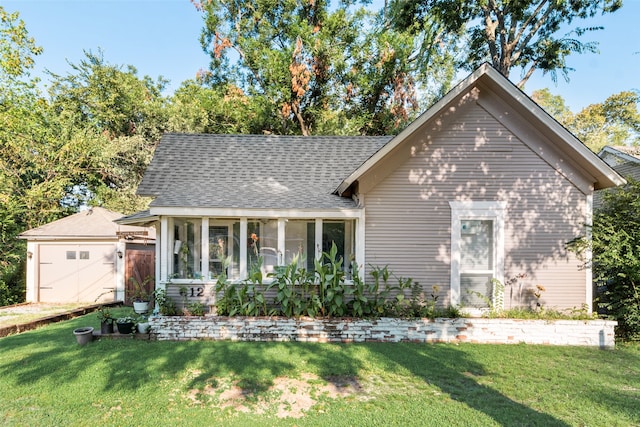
[[94, 223]]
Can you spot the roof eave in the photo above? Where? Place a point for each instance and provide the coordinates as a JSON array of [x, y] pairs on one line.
[[604, 175], [413, 127]]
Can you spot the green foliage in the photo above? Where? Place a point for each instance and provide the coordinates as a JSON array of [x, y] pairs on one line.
[[140, 292], [317, 68], [17, 48], [325, 292], [296, 292], [332, 287], [615, 121], [195, 308], [165, 303], [242, 299], [616, 257], [104, 314], [198, 108], [523, 34]]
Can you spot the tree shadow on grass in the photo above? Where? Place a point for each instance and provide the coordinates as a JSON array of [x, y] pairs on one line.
[[454, 373], [51, 355]]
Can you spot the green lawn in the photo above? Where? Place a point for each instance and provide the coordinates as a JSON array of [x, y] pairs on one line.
[[46, 379]]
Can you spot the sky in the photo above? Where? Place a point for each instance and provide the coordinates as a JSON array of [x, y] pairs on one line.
[[161, 38]]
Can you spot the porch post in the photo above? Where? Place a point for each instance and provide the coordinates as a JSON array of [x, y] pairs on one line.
[[243, 247], [360, 245]]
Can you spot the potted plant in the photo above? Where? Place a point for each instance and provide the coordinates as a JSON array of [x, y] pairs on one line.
[[142, 324], [125, 324], [106, 320], [141, 296]]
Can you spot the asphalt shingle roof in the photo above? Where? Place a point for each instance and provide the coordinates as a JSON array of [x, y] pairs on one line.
[[254, 171]]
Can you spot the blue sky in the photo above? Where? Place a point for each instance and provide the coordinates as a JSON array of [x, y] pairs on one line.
[[161, 37]]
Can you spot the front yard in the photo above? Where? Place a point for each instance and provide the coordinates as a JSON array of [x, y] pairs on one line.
[[47, 379]]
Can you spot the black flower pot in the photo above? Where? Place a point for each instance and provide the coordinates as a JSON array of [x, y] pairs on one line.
[[125, 328], [106, 327]]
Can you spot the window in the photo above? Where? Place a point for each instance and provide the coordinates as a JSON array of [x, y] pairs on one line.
[[300, 243], [219, 255], [342, 234], [186, 248], [476, 262], [206, 248], [84, 254], [477, 251], [71, 254], [262, 244]]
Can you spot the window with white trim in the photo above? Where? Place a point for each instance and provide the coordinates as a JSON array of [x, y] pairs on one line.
[[477, 252], [204, 248]]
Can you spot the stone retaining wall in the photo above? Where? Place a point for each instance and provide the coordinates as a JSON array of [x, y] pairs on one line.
[[596, 333]]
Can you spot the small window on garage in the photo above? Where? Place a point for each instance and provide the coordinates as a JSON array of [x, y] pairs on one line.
[[84, 254], [71, 254]]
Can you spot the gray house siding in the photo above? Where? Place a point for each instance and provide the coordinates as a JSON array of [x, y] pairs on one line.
[[473, 156]]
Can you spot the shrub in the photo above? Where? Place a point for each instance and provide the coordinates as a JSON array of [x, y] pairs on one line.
[[615, 246]]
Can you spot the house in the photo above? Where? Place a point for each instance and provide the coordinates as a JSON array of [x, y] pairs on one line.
[[484, 185], [623, 159], [86, 257]]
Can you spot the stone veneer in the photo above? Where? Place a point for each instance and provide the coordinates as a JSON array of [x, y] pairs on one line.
[[596, 333]]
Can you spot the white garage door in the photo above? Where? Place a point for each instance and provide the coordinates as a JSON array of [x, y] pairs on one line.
[[77, 272]]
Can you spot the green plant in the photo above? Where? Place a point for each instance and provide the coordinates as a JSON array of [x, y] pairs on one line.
[[126, 319], [331, 283], [615, 245], [104, 314], [295, 290], [165, 303], [196, 308], [140, 292]]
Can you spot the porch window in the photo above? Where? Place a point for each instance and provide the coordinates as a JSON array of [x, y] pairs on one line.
[[300, 243], [262, 244], [206, 248], [186, 248], [342, 233], [224, 249]]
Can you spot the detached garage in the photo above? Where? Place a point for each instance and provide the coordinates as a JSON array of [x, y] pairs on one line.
[[86, 257]]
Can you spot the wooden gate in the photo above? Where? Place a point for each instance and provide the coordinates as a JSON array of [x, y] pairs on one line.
[[139, 263]]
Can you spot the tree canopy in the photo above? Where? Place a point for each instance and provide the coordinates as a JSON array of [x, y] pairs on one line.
[[615, 121], [322, 69], [529, 34]]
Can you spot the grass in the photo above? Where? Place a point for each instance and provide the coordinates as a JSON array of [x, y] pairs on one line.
[[47, 379], [26, 313]]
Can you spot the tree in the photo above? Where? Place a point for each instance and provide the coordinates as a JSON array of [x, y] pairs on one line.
[[199, 108], [22, 188], [521, 34], [318, 69], [615, 246], [117, 118], [615, 121]]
